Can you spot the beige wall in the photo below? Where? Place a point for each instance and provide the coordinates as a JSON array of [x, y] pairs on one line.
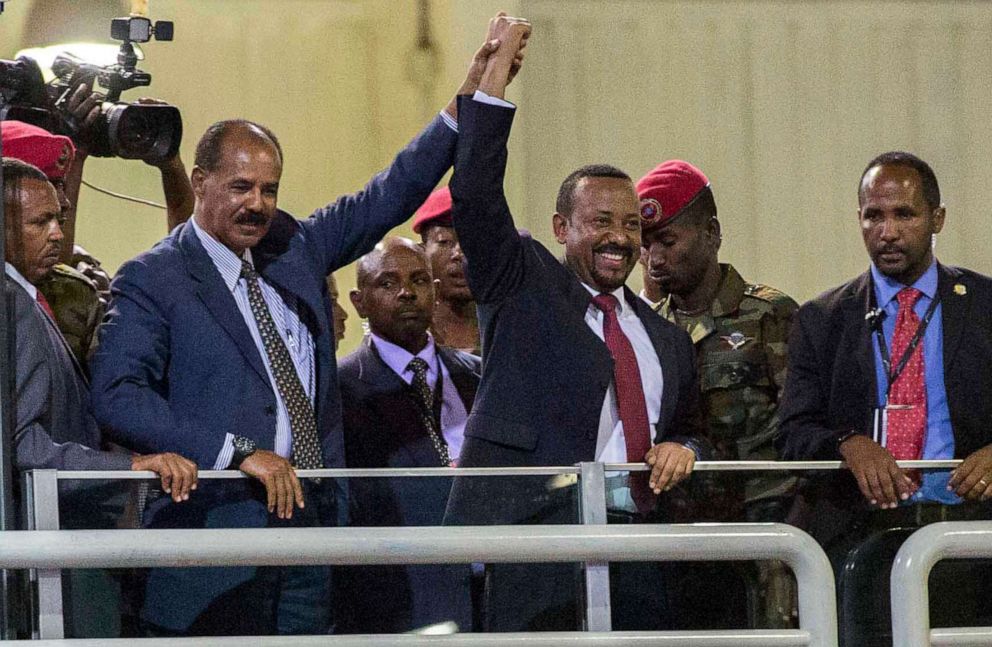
[[780, 103]]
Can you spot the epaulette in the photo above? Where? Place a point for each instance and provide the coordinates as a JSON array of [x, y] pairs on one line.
[[62, 271], [771, 295]]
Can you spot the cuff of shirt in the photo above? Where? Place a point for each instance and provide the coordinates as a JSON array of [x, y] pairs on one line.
[[226, 453], [482, 97], [694, 446]]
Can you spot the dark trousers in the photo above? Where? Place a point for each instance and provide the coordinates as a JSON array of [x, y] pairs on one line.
[[282, 600]]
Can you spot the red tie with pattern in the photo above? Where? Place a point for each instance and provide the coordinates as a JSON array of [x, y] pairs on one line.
[[907, 415], [43, 302], [627, 377]]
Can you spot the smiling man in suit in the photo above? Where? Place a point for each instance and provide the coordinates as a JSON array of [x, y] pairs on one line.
[[893, 365], [575, 366], [405, 400]]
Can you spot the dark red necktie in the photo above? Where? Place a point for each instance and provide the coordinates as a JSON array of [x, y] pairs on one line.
[[627, 377], [907, 414], [43, 302]]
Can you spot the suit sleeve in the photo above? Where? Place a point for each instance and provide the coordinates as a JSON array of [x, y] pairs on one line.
[[351, 226], [130, 374], [803, 410], [34, 395], [480, 214]]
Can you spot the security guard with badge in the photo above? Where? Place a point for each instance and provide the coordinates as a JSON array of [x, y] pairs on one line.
[[740, 331]]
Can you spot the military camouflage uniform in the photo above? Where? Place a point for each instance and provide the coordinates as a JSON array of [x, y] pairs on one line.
[[741, 351], [78, 307]]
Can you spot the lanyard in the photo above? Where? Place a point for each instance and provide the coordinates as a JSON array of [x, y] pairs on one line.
[[893, 373]]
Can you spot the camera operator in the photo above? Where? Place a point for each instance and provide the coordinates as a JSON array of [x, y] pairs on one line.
[[78, 287]]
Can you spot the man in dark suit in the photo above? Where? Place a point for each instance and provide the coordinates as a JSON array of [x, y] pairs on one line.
[[893, 365], [389, 423], [575, 366], [218, 345], [54, 427]]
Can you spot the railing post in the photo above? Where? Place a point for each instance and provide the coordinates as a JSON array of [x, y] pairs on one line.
[[592, 503], [42, 490]]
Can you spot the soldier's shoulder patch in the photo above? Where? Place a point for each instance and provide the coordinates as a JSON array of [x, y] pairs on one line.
[[64, 274], [779, 300]]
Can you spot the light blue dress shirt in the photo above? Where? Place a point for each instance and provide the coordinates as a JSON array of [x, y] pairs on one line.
[[939, 440], [292, 331]]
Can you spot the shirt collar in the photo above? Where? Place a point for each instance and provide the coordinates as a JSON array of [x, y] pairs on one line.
[[23, 282], [227, 262], [886, 288], [622, 310], [398, 358]]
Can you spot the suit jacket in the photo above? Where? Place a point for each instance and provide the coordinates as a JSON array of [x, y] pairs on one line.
[[177, 369], [54, 427], [545, 373], [831, 385], [382, 428]]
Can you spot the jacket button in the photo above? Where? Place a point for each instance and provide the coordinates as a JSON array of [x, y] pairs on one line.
[[270, 410]]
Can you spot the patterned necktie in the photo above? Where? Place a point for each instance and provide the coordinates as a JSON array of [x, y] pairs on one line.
[[907, 414], [627, 377], [302, 421], [43, 302], [425, 406]]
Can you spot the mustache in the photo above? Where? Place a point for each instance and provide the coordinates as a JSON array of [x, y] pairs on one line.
[[251, 218], [614, 248]]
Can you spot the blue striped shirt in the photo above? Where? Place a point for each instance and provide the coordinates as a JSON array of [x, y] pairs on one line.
[[284, 310]]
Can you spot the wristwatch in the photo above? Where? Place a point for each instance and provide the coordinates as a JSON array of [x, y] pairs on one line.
[[243, 448]]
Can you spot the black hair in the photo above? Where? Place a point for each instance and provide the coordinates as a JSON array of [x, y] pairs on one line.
[[931, 190], [14, 173], [208, 149], [566, 192]]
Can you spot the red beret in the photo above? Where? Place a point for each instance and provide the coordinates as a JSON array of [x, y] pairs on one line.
[[51, 153], [436, 210], [666, 190]]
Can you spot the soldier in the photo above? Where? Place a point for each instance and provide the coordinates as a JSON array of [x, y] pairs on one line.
[[456, 323], [739, 330]]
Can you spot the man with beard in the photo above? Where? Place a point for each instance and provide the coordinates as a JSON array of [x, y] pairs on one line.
[[894, 365], [576, 367], [739, 330], [456, 323], [218, 345], [54, 427], [405, 399]]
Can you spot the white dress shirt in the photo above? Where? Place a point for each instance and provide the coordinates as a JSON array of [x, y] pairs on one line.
[[611, 446]]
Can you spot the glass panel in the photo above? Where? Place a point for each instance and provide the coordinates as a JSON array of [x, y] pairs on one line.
[[859, 540], [104, 603]]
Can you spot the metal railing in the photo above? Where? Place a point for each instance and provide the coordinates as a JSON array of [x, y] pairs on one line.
[[910, 577], [453, 545], [41, 491]]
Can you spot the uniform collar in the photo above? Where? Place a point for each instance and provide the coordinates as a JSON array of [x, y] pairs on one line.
[[729, 295]]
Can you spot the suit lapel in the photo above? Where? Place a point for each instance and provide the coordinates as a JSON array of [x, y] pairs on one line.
[[212, 291], [465, 381], [856, 304], [956, 300]]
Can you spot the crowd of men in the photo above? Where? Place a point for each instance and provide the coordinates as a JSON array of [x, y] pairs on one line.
[[216, 350]]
